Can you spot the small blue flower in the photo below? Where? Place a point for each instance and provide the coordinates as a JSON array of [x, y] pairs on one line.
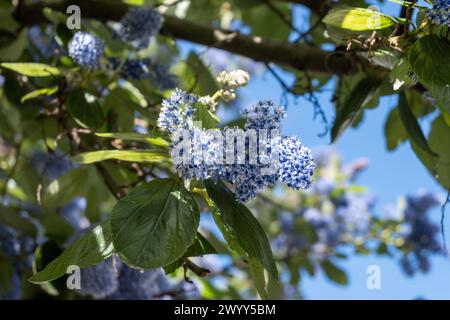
[[421, 235], [139, 25], [72, 213], [264, 115], [135, 69], [9, 243], [296, 164], [15, 291], [135, 284], [51, 166], [161, 75], [440, 13], [175, 109], [139, 69], [86, 50], [100, 280]]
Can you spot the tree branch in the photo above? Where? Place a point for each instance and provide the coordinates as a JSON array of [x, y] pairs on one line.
[[297, 56], [319, 7]]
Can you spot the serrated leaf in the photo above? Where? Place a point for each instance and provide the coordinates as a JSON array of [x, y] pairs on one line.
[[358, 19], [242, 225], [429, 58], [85, 109], [411, 124], [132, 136], [154, 224], [123, 155], [40, 92], [31, 69], [361, 94], [90, 249]]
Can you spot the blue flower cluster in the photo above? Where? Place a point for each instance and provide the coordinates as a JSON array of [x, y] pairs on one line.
[[51, 165], [295, 165], [440, 12], [114, 280], [139, 25], [161, 75], [18, 248], [9, 243], [86, 50], [72, 213], [264, 115], [135, 69], [421, 236], [44, 42], [175, 111], [100, 280], [336, 216], [139, 69], [137, 284]]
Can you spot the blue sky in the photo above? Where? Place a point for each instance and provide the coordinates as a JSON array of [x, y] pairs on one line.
[[390, 175]]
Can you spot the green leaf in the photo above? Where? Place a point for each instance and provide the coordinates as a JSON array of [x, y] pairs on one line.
[[429, 58], [90, 249], [358, 19], [200, 247], [394, 129], [208, 119], [412, 125], [259, 278], [154, 224], [439, 167], [6, 276], [196, 75], [361, 94], [62, 190], [12, 218], [400, 75], [334, 273], [40, 92], [256, 17], [242, 225], [85, 109], [7, 20], [31, 69], [157, 141], [123, 155], [13, 51], [54, 16]]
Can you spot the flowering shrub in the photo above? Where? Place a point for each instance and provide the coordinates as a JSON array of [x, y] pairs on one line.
[[128, 153]]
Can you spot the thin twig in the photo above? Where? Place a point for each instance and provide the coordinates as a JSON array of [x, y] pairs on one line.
[[282, 16], [444, 205]]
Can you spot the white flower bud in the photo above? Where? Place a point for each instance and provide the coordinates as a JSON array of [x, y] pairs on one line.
[[233, 79]]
